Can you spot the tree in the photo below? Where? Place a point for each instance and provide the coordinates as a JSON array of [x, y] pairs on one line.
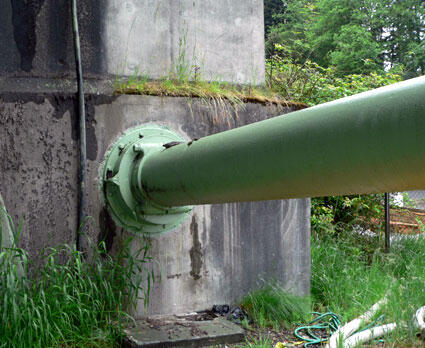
[[356, 36], [290, 29], [355, 51], [272, 9], [405, 42]]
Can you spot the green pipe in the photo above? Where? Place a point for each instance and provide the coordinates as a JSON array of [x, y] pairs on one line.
[[370, 142]]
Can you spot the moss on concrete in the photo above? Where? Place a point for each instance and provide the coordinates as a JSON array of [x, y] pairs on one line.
[[222, 91]]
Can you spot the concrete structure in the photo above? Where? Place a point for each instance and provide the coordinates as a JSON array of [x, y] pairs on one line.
[[216, 256], [219, 39], [221, 251]]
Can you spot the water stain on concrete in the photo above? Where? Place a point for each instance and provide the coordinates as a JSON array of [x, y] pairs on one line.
[[107, 228], [195, 251], [24, 14]]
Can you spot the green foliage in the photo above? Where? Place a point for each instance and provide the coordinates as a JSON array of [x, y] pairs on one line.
[[272, 10], [355, 51], [331, 215], [69, 301], [349, 274], [289, 30], [342, 278], [273, 306], [312, 84], [261, 342], [345, 34]]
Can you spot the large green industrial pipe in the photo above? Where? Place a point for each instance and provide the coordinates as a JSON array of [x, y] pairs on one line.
[[370, 142]]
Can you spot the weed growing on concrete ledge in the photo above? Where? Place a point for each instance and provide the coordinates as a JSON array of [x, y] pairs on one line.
[[68, 302], [236, 95]]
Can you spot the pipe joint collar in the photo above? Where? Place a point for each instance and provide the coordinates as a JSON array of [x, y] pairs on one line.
[[122, 193]]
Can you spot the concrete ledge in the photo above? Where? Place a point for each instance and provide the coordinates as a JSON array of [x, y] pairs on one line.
[[181, 331]]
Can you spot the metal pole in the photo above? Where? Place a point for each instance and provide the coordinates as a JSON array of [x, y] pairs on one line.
[[367, 143], [82, 120], [387, 222]]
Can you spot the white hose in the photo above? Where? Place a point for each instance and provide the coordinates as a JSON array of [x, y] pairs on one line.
[[354, 325], [420, 313], [368, 335]]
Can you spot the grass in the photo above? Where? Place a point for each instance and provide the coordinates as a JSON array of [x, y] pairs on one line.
[[342, 277], [185, 80], [202, 89], [68, 302], [349, 282], [261, 342], [224, 100], [273, 306], [350, 273]]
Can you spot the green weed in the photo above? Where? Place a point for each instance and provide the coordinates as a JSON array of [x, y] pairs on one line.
[[347, 281], [261, 342], [68, 301], [273, 306]]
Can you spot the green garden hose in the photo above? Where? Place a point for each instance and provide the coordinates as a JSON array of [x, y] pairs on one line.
[[328, 321]]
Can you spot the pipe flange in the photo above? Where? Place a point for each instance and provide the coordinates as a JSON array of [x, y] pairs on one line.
[[126, 201]]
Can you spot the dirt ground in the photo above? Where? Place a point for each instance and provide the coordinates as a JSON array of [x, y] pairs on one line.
[[287, 337], [273, 336]]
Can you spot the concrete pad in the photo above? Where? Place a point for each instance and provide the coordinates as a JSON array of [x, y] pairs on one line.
[[196, 330]]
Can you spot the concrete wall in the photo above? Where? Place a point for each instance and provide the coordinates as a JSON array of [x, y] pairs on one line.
[[216, 256], [222, 39]]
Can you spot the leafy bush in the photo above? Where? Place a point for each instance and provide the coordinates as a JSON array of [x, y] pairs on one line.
[[312, 84], [338, 213]]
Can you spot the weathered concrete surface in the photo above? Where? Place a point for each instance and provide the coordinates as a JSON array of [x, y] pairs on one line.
[[38, 167], [221, 39], [216, 256], [36, 37], [182, 331]]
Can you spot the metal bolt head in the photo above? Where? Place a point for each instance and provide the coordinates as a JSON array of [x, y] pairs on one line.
[[138, 148]]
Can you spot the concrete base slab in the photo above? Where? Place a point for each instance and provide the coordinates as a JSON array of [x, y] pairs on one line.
[[193, 330]]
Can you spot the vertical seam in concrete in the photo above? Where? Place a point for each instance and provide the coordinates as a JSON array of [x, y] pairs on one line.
[[173, 7]]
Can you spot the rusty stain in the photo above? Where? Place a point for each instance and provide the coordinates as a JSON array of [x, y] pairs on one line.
[[195, 251]]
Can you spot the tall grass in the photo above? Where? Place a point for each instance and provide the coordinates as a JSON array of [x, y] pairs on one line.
[[68, 302], [261, 342], [349, 282], [349, 273], [342, 277], [273, 306]]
